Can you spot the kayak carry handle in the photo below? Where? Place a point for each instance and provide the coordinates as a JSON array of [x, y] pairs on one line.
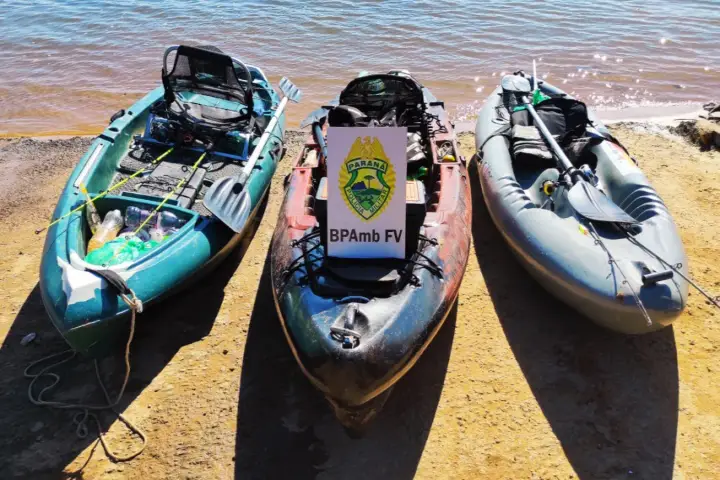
[[649, 279]]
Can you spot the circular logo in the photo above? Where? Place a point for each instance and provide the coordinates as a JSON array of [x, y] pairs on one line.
[[367, 178]]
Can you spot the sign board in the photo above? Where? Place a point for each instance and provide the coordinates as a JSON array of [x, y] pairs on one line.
[[366, 192]]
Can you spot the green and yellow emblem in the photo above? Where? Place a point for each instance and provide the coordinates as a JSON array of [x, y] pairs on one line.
[[367, 178]]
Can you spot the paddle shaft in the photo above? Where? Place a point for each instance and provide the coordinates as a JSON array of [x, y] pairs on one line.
[[263, 140], [320, 139], [562, 158]]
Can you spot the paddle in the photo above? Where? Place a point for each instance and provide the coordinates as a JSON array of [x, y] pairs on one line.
[[584, 197], [316, 116], [226, 198], [320, 139]]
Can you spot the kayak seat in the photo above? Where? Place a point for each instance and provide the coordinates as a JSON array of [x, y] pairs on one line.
[[207, 89], [207, 114], [528, 146]]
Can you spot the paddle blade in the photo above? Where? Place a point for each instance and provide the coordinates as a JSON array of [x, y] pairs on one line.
[[314, 117], [228, 200], [591, 203], [317, 115], [515, 83], [289, 89]]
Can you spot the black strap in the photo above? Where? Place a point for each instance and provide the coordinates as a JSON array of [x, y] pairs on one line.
[[115, 280], [169, 94]]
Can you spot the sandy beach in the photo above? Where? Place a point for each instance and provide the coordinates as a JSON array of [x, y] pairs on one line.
[[515, 386]]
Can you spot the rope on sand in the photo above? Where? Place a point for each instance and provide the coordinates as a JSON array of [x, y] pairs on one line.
[[87, 411]]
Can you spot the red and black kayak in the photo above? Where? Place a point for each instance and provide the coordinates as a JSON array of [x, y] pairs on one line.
[[357, 326]]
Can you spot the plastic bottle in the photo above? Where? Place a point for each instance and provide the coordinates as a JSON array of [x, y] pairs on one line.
[[165, 220], [134, 216], [107, 231], [127, 232], [157, 234]]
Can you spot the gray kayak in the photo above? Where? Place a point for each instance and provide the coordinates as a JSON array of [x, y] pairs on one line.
[[638, 293]]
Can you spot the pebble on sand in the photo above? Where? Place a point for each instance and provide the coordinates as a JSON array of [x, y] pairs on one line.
[[28, 338]]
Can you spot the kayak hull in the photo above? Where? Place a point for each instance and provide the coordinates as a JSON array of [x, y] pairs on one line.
[[314, 295], [556, 247], [84, 308]]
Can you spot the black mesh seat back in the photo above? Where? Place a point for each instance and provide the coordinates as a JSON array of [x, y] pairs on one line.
[[374, 94], [209, 70]]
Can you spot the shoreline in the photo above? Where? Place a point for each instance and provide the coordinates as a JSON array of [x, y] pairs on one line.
[[669, 115]]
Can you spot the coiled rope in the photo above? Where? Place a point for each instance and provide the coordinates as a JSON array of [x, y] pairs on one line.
[[87, 411]]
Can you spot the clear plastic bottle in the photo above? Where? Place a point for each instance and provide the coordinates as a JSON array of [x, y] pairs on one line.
[[107, 231], [134, 216], [163, 220]]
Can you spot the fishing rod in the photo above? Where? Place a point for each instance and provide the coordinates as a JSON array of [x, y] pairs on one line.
[[584, 197], [612, 261], [675, 268], [122, 182], [172, 192], [165, 199], [591, 204]]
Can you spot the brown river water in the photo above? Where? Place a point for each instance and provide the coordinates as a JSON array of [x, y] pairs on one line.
[[66, 67]]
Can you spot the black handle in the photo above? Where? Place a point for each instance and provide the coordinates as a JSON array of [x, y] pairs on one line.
[[117, 115], [655, 277]]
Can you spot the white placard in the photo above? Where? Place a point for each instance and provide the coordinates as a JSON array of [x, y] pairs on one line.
[[366, 192]]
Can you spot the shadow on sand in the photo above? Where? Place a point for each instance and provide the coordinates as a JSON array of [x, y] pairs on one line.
[[286, 429], [611, 400], [40, 442]]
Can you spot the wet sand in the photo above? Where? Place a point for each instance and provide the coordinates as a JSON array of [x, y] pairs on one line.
[[516, 385]]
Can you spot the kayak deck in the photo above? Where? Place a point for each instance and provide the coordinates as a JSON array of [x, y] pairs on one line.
[[160, 179]]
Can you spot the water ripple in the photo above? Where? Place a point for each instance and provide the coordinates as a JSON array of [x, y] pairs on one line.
[[67, 65]]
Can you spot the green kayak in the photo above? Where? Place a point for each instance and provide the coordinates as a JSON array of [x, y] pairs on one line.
[[148, 174]]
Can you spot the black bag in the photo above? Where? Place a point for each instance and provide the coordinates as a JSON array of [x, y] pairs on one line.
[[565, 118]]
